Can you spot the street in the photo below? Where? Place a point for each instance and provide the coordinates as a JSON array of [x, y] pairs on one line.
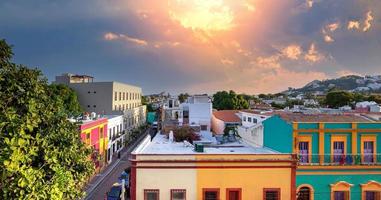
[[101, 183]]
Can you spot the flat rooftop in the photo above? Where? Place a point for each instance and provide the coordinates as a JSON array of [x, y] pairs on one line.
[[161, 145]]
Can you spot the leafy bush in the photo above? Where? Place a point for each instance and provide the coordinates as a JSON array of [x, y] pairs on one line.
[[185, 133]]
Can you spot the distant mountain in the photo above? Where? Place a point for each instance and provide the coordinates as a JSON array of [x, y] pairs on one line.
[[351, 83]]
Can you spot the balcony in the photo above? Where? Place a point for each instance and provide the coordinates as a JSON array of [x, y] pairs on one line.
[[118, 135], [339, 160]]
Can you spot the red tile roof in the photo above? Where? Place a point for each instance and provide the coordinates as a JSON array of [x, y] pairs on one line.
[[300, 117], [227, 115]]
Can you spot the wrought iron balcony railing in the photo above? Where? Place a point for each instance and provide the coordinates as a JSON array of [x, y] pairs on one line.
[[337, 160]]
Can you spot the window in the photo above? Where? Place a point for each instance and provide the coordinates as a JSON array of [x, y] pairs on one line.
[[120, 107], [88, 92], [249, 119], [368, 148], [204, 127], [124, 96], [88, 106], [341, 195], [95, 92], [340, 190], [338, 149], [233, 194], [244, 118], [120, 96], [371, 191], [271, 194], [109, 133], [123, 106], [255, 120], [305, 148], [101, 133], [115, 107], [115, 96], [305, 192], [178, 194], [303, 152], [151, 194], [94, 106], [372, 195], [211, 194]]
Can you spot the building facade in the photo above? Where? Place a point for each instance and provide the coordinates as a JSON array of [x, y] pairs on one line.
[[93, 133], [338, 155], [162, 169], [116, 135], [107, 98]]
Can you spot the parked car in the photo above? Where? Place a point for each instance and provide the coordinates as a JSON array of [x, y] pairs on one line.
[[154, 125], [115, 192]]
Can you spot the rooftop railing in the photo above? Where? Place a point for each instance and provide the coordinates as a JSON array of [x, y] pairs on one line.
[[339, 160]]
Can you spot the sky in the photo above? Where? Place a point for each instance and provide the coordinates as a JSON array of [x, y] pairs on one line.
[[197, 46]]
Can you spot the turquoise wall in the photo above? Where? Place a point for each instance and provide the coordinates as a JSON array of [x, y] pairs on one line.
[[321, 183], [151, 117], [277, 134]]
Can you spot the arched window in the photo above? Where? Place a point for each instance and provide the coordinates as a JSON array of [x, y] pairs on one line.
[[341, 190], [371, 191], [305, 192]]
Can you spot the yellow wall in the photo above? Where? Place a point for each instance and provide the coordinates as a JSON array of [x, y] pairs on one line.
[[165, 180], [251, 180]]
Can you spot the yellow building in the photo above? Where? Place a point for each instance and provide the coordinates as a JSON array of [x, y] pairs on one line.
[[232, 171]]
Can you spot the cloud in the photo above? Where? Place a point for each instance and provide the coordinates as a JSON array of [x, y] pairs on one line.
[[313, 55], [271, 62], [112, 36], [292, 51], [328, 39], [226, 61], [368, 20], [353, 25], [309, 3], [333, 26]]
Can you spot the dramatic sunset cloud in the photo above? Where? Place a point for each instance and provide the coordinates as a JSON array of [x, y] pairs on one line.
[[113, 36], [197, 46], [353, 25], [368, 20]]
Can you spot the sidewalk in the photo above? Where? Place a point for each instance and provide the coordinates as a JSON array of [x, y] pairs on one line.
[[98, 179]]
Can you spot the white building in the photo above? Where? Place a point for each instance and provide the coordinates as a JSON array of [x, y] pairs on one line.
[[375, 108], [197, 111], [107, 98], [116, 134], [252, 129]]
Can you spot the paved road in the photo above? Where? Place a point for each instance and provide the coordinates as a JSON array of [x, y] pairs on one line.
[[98, 191]]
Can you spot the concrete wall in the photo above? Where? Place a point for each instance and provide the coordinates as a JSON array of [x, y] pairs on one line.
[[218, 125], [200, 113], [165, 180], [94, 97], [252, 135]]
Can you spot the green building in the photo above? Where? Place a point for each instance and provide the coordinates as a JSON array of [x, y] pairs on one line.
[[339, 156]]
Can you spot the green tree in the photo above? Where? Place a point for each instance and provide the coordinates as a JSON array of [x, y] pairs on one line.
[[338, 98], [41, 153], [182, 97], [375, 98], [68, 97], [224, 100]]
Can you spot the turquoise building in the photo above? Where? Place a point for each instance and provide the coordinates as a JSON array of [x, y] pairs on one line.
[[339, 156]]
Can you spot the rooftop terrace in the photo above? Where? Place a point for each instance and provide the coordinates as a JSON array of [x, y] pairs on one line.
[[161, 145]]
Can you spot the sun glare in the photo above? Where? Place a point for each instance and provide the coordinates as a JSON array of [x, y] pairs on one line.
[[206, 15]]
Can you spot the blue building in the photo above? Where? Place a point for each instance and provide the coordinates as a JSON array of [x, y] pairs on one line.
[[339, 156]]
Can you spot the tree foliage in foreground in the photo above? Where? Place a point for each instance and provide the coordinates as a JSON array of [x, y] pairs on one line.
[[68, 96], [41, 154], [223, 100]]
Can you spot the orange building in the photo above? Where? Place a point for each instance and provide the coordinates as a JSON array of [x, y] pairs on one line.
[[162, 169]]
